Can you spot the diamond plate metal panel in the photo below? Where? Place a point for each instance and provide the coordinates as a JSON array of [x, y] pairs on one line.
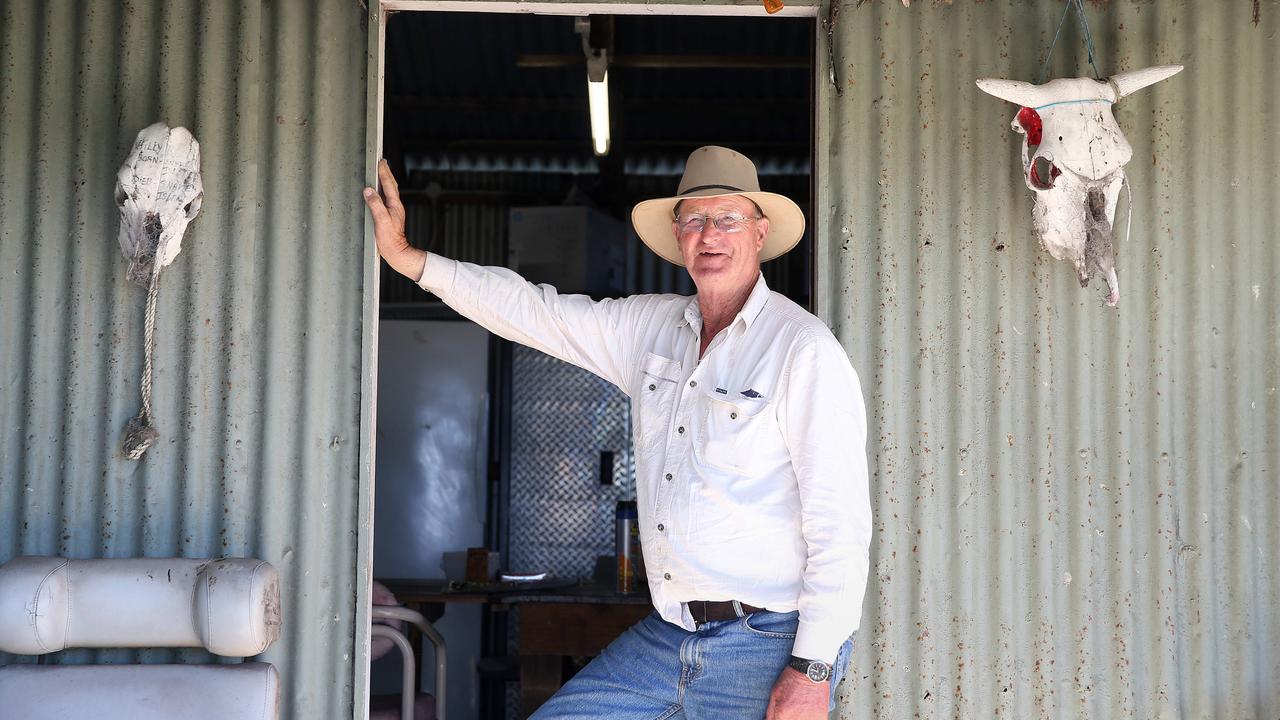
[[562, 418]]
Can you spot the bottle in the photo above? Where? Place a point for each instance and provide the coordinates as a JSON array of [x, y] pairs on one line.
[[637, 554], [626, 522]]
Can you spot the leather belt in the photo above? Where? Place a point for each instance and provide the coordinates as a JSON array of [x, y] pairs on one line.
[[704, 611]]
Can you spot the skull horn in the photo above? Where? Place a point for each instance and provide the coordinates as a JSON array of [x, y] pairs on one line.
[[1017, 92], [1055, 91], [1128, 83]]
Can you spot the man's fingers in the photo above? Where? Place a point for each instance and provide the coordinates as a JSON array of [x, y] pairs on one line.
[[390, 188], [376, 207], [388, 220]]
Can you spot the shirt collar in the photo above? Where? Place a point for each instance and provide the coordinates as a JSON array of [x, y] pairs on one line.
[[750, 309], [755, 302]]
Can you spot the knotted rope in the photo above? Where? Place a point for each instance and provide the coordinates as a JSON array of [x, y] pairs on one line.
[[140, 433]]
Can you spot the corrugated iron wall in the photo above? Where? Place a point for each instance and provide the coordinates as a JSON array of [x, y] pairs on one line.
[[259, 332], [1075, 505]]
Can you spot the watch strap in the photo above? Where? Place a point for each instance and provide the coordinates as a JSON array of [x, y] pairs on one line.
[[816, 670]]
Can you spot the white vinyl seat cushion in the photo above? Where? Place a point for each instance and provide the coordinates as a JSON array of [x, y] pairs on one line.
[[246, 691], [229, 606]]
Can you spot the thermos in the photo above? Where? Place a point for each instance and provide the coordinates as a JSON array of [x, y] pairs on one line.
[[626, 540]]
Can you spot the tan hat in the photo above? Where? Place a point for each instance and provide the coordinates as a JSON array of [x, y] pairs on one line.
[[715, 172]]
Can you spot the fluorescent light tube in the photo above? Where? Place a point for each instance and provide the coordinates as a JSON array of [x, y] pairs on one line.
[[598, 98]]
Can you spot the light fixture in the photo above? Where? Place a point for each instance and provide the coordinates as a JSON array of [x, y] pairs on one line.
[[597, 83], [598, 98]]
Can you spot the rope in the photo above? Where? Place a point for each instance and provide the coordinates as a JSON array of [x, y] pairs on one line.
[[1084, 29], [149, 333], [140, 432], [1128, 215]]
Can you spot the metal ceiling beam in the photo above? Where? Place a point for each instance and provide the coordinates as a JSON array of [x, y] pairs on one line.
[[741, 62], [735, 106], [634, 147]]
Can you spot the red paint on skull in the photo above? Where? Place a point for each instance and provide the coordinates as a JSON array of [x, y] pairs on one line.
[[1033, 126], [1030, 121]]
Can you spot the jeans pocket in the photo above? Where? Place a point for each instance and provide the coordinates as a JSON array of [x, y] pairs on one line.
[[772, 624]]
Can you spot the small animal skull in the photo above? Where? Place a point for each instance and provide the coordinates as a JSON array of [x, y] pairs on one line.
[[158, 191], [1074, 158]]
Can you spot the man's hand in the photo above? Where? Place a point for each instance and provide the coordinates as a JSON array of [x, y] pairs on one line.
[[388, 227], [796, 697]]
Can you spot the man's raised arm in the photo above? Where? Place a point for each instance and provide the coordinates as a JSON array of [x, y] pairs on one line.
[[598, 336]]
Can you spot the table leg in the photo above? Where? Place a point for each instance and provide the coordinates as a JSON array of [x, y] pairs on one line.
[[540, 677]]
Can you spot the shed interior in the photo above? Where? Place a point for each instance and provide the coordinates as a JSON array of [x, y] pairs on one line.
[[487, 128]]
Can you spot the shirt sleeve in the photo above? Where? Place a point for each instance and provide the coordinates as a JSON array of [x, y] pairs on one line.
[[592, 334], [825, 428]]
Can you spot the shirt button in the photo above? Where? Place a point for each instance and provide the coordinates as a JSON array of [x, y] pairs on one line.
[[653, 387], [680, 429], [693, 383], [733, 416], [668, 476], [661, 527], [666, 576]]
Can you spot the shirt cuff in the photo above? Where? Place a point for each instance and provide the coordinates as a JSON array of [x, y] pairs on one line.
[[438, 274], [817, 642]]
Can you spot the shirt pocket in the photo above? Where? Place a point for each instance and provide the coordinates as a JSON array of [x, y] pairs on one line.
[[655, 399], [733, 432]]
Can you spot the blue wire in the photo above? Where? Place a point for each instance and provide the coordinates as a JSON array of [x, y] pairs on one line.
[[1044, 69], [1088, 37], [1071, 102]]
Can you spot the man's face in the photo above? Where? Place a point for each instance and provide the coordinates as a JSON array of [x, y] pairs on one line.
[[720, 258]]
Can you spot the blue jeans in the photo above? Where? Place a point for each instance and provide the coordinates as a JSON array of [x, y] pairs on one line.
[[660, 671]]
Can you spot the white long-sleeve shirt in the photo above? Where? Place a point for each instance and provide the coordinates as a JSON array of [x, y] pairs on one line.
[[751, 470]]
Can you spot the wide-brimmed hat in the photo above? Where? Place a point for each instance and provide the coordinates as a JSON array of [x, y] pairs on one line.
[[713, 171]]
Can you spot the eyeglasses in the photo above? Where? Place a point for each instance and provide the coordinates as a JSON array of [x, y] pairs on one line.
[[725, 222]]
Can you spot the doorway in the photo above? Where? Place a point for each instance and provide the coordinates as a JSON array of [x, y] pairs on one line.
[[485, 119]]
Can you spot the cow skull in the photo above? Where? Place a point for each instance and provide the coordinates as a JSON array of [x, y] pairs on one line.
[[158, 191], [1074, 158]]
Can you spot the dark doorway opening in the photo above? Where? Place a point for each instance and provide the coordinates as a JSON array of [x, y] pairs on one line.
[[487, 126]]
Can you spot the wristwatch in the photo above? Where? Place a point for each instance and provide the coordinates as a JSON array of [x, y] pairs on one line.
[[815, 670]]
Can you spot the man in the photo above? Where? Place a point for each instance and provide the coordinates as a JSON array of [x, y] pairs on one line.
[[749, 432]]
